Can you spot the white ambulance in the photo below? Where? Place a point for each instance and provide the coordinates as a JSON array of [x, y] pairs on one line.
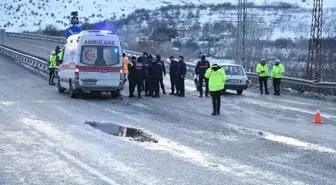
[[92, 62]]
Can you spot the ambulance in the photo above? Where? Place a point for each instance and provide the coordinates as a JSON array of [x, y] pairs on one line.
[[92, 62]]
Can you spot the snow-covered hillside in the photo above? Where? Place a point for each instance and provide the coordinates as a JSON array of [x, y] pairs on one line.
[[20, 15]]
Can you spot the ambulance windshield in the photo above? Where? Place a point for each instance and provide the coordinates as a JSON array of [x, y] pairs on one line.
[[100, 55]]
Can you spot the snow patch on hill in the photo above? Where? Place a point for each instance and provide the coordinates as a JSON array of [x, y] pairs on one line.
[[30, 15]]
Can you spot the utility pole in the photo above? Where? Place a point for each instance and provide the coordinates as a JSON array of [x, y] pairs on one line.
[[241, 33], [314, 63]]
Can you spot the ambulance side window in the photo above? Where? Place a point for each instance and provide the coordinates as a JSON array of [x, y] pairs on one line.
[[66, 56], [69, 55]]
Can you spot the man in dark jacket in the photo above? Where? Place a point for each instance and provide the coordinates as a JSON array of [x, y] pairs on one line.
[[132, 80], [181, 72], [173, 74], [155, 80], [141, 73], [163, 67], [150, 78], [200, 70]]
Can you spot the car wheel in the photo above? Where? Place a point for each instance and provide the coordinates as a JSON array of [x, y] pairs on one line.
[[59, 87], [72, 92], [240, 92]]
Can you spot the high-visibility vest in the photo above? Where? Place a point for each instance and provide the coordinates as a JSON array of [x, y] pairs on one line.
[[60, 55], [261, 68], [52, 61], [278, 71], [126, 61]]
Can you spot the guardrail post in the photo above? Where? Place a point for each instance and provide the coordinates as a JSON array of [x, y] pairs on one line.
[[2, 35]]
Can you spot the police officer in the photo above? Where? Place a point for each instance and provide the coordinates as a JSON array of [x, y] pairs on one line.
[[151, 75], [173, 74], [141, 73], [262, 70], [181, 72], [155, 80], [59, 55], [200, 70], [277, 72], [217, 78], [146, 63], [52, 67], [132, 80], [163, 67]]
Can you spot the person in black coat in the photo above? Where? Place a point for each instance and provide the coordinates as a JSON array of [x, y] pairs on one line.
[[132, 80], [151, 75], [163, 67], [173, 74], [155, 80], [141, 73], [181, 72], [200, 70]]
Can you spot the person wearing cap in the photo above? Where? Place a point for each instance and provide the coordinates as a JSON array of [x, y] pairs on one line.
[[217, 78], [201, 67], [277, 72], [52, 67], [126, 61], [262, 70], [181, 72], [150, 81], [132, 80]]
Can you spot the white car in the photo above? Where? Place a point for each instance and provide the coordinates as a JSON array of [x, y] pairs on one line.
[[236, 78]]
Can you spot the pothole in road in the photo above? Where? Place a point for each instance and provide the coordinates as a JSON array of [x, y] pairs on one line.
[[122, 131]]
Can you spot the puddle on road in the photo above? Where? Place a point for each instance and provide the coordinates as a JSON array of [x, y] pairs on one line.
[[122, 131]]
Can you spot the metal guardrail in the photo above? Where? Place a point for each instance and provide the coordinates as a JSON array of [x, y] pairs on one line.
[[190, 67]]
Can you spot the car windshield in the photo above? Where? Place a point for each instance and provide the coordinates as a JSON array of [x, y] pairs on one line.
[[100, 55], [233, 70]]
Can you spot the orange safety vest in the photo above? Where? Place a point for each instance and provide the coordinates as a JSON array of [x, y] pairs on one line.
[[126, 61]]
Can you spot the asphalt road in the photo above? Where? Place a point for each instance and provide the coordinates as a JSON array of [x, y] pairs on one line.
[[257, 139]]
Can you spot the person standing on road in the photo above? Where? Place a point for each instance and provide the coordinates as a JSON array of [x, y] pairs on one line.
[[59, 55], [181, 72], [150, 81], [132, 80], [217, 78], [201, 67], [173, 74], [163, 67], [155, 80], [126, 61], [141, 73], [277, 72], [52, 67], [262, 70]]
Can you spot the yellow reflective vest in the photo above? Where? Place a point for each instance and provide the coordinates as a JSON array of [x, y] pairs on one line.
[[217, 78], [60, 55], [261, 68], [52, 61], [278, 71]]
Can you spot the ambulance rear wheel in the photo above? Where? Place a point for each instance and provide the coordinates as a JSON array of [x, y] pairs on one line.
[[115, 94], [72, 92], [59, 87]]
